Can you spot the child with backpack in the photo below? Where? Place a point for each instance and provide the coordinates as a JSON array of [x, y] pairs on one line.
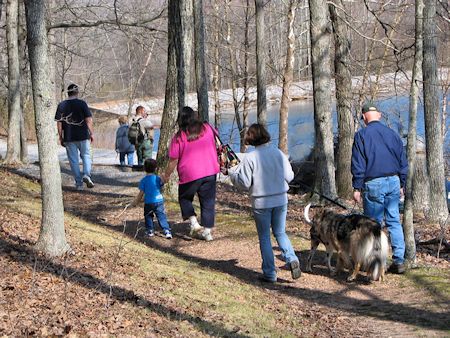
[[150, 188], [123, 145]]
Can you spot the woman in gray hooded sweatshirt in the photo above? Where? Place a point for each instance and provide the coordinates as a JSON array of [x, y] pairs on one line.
[[265, 173]]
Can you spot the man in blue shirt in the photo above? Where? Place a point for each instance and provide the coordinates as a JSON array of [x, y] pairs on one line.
[[379, 168], [75, 130]]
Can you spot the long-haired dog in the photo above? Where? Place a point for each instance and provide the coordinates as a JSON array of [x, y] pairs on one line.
[[358, 240]]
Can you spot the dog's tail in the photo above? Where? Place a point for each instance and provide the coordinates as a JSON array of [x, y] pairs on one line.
[[306, 214], [376, 249]]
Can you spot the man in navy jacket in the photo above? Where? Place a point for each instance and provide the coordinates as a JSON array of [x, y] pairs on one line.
[[379, 168]]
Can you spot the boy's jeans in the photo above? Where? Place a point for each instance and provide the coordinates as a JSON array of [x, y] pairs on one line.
[[72, 149], [275, 218], [381, 199], [129, 156], [157, 209]]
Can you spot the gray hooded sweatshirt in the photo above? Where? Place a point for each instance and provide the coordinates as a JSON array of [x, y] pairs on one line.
[[265, 173]]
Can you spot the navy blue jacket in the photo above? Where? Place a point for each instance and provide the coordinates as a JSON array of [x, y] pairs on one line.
[[377, 152]]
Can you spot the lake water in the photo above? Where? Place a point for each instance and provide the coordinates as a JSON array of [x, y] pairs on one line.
[[301, 124]]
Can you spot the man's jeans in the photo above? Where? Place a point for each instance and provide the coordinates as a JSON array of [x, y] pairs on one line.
[[72, 149], [157, 209], [275, 218], [381, 199]]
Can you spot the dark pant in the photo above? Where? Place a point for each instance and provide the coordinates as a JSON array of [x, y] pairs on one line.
[[144, 150], [158, 210], [129, 157], [205, 188]]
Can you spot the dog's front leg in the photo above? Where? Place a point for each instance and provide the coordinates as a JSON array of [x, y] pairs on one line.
[[329, 255], [355, 272], [314, 245]]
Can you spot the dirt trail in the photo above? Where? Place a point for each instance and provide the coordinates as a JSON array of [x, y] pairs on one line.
[[401, 306]]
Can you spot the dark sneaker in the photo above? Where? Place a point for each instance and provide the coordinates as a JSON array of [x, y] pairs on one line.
[[168, 235], [265, 279], [294, 266], [397, 268], [88, 181]]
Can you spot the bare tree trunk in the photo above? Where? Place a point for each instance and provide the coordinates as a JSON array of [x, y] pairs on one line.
[[171, 105], [245, 85], [185, 46], [433, 116], [216, 72], [343, 83], [200, 64], [12, 25], [321, 75], [421, 184], [287, 79], [261, 101], [24, 74], [408, 213], [234, 76], [52, 238]]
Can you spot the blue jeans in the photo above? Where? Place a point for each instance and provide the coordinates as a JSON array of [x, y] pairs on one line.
[[129, 156], [274, 218], [74, 151], [381, 198], [158, 210]]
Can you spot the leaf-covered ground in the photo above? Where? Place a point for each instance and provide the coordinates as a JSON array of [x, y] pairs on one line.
[[116, 282]]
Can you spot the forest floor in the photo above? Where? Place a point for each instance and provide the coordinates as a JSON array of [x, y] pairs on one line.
[[117, 282]]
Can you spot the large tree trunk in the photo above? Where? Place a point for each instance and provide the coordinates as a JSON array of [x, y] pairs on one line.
[[52, 238], [171, 105], [433, 116], [408, 213], [343, 83], [14, 113], [261, 101], [200, 64], [321, 75], [287, 79]]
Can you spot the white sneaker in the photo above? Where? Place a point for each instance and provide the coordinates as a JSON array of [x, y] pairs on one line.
[[206, 235], [88, 181], [79, 187]]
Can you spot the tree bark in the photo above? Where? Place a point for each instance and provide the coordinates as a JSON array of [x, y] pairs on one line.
[[408, 213], [245, 84], [14, 113], [52, 238], [321, 76], [24, 76], [184, 48], [343, 83], [433, 116], [171, 104], [261, 101], [287, 79], [200, 64]]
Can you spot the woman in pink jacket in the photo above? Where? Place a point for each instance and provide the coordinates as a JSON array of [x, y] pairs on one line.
[[193, 152]]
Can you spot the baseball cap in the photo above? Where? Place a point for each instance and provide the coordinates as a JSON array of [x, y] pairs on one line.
[[72, 88], [369, 106]]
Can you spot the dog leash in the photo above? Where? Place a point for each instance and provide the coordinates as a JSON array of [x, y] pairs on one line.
[[318, 193]]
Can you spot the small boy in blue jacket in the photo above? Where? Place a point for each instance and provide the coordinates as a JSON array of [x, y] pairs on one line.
[[150, 188]]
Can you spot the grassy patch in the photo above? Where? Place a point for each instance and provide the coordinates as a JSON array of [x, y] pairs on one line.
[[435, 281]]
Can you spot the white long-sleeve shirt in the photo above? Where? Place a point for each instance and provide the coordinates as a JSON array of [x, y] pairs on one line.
[[265, 173]]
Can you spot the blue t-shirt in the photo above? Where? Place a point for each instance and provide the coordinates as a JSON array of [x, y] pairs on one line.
[[151, 185], [72, 113]]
